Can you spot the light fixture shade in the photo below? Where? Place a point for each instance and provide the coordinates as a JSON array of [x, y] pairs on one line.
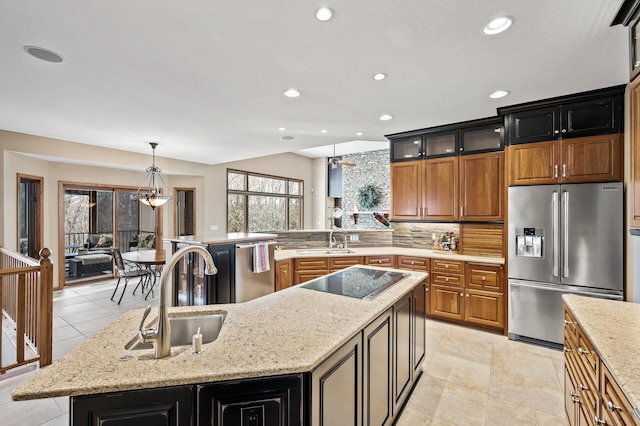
[[150, 193]]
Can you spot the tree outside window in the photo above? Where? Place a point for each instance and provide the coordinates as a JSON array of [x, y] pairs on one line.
[[262, 203]]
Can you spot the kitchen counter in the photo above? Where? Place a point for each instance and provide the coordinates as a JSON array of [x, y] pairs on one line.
[[377, 251], [291, 331], [612, 326], [222, 238]]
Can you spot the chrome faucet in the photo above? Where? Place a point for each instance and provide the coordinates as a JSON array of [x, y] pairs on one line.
[[159, 334], [332, 240]]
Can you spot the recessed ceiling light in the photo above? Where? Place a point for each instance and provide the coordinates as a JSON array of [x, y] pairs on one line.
[[43, 54], [498, 25], [499, 94], [286, 138], [324, 13], [379, 76], [323, 131], [282, 129], [385, 117], [359, 134], [292, 93]]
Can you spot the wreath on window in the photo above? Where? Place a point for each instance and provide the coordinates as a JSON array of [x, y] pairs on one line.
[[368, 196]]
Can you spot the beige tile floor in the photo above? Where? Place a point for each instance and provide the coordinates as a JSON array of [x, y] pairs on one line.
[[470, 377]]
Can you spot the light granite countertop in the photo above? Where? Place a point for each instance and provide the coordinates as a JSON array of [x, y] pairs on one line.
[[287, 332], [612, 326], [379, 251]]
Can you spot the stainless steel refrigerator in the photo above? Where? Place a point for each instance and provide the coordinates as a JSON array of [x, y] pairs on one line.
[[562, 239]]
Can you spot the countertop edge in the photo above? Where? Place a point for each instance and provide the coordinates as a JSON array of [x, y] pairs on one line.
[[293, 351], [606, 346]]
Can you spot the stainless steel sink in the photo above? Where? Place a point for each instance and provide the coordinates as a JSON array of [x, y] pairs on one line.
[[183, 329], [324, 251]]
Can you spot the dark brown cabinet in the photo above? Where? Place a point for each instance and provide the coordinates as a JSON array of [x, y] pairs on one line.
[[482, 187], [378, 368], [166, 406], [260, 402], [284, 274], [590, 113], [579, 160]]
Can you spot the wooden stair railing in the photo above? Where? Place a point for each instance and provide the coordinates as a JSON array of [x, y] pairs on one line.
[[26, 295]]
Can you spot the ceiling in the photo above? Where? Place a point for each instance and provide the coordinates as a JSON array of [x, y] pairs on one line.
[[205, 79]]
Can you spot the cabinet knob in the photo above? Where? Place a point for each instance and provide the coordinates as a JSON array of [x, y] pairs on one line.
[[446, 266], [483, 278], [567, 322], [461, 295], [598, 421], [446, 279], [467, 295], [564, 130], [565, 349], [583, 387], [611, 406], [413, 263], [582, 351], [555, 132], [574, 397], [284, 272]]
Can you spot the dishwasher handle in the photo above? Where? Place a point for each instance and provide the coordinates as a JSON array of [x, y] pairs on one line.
[[244, 246]]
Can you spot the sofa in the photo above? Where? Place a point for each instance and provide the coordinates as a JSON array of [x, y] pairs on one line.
[[99, 243], [143, 241]]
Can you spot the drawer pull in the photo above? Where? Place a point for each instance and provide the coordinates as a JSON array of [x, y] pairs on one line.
[[611, 406], [567, 322], [582, 351], [598, 421], [575, 398], [583, 387], [565, 349]]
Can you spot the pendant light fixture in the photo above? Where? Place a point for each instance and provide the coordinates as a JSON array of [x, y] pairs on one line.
[[149, 192]]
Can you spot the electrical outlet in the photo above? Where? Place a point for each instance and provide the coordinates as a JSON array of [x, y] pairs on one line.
[[354, 237], [433, 237], [213, 227]]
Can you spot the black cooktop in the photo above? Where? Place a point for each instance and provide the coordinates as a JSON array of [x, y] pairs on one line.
[[356, 281]]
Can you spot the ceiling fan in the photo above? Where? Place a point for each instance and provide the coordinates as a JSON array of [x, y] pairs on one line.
[[334, 161]]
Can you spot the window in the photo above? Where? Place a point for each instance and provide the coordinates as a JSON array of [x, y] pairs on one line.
[[261, 203]]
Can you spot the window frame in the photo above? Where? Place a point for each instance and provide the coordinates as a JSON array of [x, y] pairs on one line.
[[246, 193]]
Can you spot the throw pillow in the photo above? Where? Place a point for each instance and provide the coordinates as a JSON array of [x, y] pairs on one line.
[[151, 241], [106, 240]]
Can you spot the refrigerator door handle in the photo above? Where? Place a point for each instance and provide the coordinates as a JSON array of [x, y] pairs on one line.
[[565, 226], [556, 233]]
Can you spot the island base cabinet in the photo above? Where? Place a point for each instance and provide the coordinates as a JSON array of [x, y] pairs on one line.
[[157, 407], [378, 364], [336, 387], [261, 402]]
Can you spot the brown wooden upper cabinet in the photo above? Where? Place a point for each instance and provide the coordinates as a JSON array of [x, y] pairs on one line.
[[588, 159], [449, 173]]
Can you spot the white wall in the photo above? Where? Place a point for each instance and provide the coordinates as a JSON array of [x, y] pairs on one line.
[[120, 168]]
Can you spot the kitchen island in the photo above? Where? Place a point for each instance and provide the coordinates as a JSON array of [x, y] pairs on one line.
[[286, 336], [602, 359]]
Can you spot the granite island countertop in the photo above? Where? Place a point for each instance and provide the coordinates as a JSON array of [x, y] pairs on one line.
[[612, 326], [287, 332], [378, 251]]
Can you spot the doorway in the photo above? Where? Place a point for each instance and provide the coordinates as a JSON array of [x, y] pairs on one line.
[[95, 218], [30, 204], [185, 212]]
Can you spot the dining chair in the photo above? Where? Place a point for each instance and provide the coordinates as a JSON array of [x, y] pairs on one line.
[[127, 273]]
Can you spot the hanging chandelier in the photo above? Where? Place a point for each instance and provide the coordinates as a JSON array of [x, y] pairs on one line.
[[149, 192]]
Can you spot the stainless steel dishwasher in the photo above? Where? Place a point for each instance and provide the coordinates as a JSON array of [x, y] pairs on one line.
[[251, 285]]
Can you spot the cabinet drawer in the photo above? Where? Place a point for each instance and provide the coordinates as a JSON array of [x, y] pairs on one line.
[[304, 276], [449, 266], [336, 263], [484, 277], [311, 263], [588, 358], [413, 263], [616, 408], [386, 261], [570, 327], [447, 279]]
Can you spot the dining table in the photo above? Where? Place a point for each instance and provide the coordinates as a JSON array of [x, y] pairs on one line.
[[152, 260]]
